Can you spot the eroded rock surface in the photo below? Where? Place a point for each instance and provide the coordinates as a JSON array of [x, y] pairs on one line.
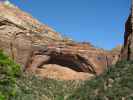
[[54, 71], [34, 45], [80, 57], [127, 50], [19, 32]]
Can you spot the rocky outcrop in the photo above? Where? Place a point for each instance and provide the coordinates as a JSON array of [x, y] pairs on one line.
[[80, 57], [117, 49], [59, 72], [34, 45], [19, 32], [127, 50]]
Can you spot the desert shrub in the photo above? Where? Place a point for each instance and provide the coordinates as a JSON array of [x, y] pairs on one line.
[[9, 70], [115, 84], [35, 88], [2, 97]]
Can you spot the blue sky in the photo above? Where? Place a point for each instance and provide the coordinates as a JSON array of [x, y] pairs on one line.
[[100, 22]]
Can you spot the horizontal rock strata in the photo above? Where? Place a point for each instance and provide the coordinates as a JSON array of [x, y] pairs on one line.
[[34, 45]]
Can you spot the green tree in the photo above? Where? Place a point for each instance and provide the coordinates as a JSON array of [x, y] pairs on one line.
[[9, 71]]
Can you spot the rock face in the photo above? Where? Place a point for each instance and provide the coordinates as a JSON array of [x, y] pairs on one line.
[[80, 57], [19, 32], [127, 50], [59, 72], [41, 50]]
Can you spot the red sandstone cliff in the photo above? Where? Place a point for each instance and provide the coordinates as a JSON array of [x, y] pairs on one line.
[[41, 50]]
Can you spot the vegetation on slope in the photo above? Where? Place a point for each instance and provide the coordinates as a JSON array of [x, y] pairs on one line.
[[9, 70], [33, 88], [115, 84]]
